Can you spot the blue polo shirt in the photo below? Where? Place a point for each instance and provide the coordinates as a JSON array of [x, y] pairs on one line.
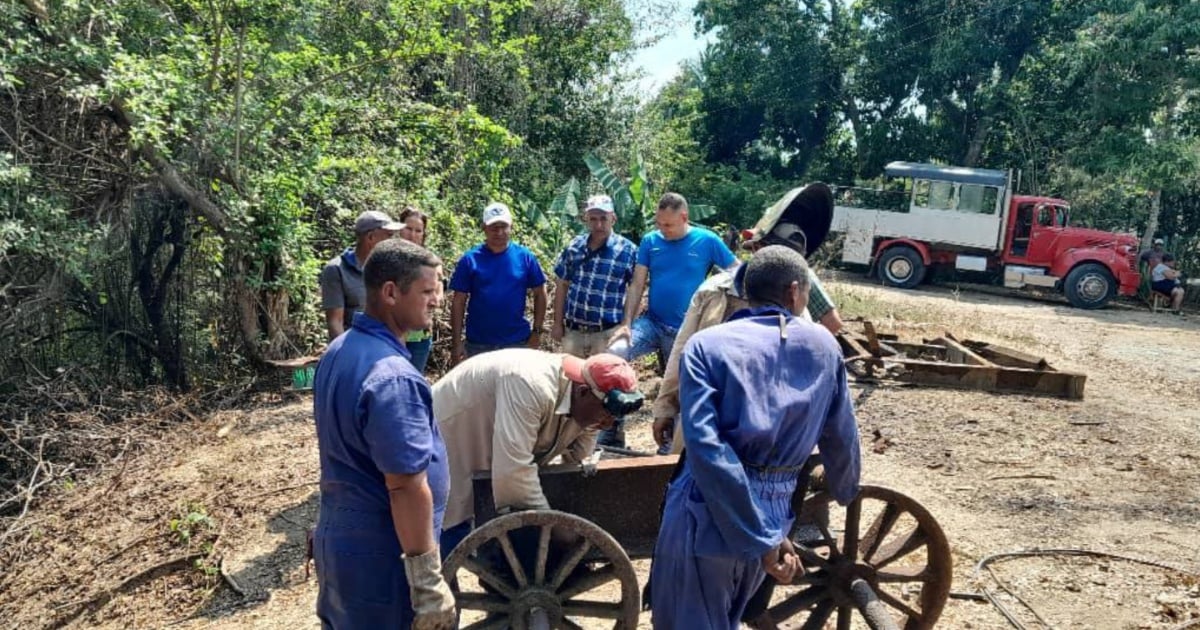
[[496, 284], [677, 268], [374, 415]]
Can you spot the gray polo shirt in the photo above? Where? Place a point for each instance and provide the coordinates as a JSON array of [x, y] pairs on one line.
[[342, 286]]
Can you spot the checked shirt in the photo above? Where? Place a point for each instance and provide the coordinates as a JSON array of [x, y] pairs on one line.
[[598, 279]]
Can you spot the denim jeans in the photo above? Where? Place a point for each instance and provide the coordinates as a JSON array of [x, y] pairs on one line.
[[647, 336], [451, 536], [420, 352]]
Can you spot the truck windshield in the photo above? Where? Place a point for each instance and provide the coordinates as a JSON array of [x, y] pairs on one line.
[[1062, 215]]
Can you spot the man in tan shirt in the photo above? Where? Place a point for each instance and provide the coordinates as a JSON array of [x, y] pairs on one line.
[[511, 411]]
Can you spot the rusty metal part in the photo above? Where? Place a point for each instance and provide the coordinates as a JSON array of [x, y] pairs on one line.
[[951, 362], [537, 589], [890, 543], [623, 497]]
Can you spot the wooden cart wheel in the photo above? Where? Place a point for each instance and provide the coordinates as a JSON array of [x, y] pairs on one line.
[[527, 570], [884, 540]]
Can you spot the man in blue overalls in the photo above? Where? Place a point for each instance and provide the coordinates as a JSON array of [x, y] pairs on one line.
[[384, 473], [757, 393]]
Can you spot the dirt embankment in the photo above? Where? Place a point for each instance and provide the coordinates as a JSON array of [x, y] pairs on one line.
[[207, 528]]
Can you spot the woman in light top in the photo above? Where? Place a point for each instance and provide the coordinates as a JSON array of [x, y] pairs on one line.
[[418, 342]]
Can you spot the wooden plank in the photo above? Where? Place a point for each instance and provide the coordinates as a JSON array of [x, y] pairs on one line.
[[917, 350], [992, 378], [872, 340], [958, 353], [1007, 357]]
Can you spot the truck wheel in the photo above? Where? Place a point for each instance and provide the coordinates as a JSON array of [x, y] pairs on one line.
[[1089, 286], [901, 267]]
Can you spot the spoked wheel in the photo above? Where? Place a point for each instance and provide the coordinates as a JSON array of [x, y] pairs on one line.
[[883, 559], [528, 570]]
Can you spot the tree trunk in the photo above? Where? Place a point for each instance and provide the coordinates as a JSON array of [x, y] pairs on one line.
[[1152, 220], [975, 148]]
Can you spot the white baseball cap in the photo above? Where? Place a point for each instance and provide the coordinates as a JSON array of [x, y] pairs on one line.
[[1158, 241], [497, 212], [603, 203]]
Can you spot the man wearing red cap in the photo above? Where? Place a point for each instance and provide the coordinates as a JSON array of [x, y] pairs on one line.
[[511, 411]]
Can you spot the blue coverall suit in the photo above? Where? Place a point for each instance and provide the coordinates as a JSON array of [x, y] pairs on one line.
[[757, 393], [374, 416]]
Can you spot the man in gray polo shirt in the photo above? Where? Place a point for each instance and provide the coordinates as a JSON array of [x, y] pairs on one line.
[[342, 290]]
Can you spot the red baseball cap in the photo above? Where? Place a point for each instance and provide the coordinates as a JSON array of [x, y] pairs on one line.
[[602, 372]]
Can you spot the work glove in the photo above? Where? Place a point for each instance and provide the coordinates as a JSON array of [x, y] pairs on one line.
[[431, 597]]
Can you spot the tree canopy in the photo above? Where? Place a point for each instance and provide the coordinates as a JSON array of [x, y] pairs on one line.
[[173, 173]]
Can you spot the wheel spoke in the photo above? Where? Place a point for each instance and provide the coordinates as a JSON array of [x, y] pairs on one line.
[[879, 530], [904, 574], [590, 580], [488, 576], [811, 557], [543, 555], [803, 600], [817, 578], [819, 615], [490, 623], [844, 617], [482, 601], [595, 610], [891, 600], [569, 564], [567, 624], [850, 535], [900, 547], [834, 551], [514, 563]]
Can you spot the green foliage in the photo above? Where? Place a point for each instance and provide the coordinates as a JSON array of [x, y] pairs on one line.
[[191, 520], [259, 131], [635, 202]]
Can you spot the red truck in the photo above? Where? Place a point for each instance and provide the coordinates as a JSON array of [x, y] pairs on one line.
[[968, 219]]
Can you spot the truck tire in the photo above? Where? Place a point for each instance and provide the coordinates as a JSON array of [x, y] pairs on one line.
[[1089, 286], [901, 267]]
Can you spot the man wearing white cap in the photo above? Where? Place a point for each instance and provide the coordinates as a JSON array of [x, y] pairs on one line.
[[1153, 257], [594, 272], [490, 282], [342, 290]]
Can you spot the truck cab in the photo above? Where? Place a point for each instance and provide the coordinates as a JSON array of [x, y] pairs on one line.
[[968, 219]]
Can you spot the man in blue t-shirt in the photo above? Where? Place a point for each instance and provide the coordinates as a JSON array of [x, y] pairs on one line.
[[675, 259], [489, 283]]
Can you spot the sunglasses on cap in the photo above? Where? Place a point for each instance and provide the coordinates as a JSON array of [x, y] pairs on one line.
[[617, 403]]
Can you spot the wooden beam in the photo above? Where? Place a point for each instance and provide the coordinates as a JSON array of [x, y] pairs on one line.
[[992, 378], [958, 353], [1008, 357]]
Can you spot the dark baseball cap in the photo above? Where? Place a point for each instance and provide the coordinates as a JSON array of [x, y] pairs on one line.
[[375, 220]]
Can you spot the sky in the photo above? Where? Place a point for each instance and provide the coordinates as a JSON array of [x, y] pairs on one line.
[[661, 62]]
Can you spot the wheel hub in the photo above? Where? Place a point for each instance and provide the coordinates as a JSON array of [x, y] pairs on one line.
[[1092, 287], [900, 269], [535, 607]]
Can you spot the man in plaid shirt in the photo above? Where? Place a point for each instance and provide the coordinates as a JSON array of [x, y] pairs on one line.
[[593, 274]]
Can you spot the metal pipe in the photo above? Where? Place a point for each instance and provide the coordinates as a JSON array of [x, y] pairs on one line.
[[538, 619], [873, 611]]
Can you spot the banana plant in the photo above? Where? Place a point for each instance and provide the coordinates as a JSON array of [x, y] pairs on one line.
[[635, 202]]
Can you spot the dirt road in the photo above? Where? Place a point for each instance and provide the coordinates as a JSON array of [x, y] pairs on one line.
[[1117, 472]]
